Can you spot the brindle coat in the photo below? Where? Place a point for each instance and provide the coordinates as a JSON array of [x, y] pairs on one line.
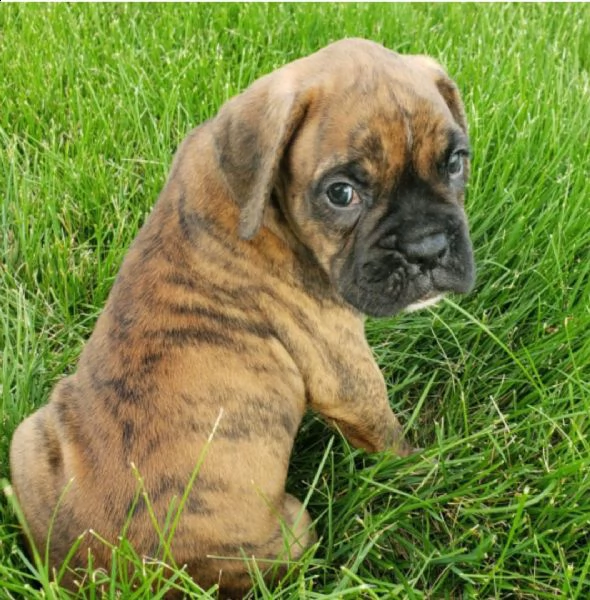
[[239, 305]]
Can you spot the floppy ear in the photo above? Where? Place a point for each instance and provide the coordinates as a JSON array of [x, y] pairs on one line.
[[252, 132], [447, 89], [450, 93]]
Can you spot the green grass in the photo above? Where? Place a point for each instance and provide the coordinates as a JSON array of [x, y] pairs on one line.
[[494, 386]]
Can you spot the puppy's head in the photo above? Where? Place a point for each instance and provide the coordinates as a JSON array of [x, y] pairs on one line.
[[365, 153]]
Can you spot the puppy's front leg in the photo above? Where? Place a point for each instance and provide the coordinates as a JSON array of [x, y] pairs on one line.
[[352, 396], [373, 436], [368, 423]]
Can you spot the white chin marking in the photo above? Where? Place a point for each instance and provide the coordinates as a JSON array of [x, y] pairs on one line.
[[423, 303]]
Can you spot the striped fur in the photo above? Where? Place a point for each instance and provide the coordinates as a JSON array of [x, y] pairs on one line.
[[238, 307]]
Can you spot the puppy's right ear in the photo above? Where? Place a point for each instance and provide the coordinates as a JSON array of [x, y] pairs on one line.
[[252, 132], [446, 88]]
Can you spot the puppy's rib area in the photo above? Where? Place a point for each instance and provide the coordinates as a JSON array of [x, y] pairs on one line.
[[239, 306]]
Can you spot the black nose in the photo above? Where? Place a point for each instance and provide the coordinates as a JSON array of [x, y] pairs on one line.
[[427, 250]]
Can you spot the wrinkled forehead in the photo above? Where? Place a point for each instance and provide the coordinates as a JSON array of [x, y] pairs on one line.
[[382, 123]]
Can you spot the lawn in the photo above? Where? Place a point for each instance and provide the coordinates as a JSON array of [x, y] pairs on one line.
[[494, 386]]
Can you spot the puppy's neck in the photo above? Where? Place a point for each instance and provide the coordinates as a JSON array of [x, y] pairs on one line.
[[276, 222]]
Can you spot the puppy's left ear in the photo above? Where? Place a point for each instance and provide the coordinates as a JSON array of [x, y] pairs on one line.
[[252, 132], [446, 87]]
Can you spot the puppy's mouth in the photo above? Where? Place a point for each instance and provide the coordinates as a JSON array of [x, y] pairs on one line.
[[428, 300], [390, 283], [379, 293]]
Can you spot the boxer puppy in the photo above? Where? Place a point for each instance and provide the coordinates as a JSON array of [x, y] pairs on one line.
[[330, 189]]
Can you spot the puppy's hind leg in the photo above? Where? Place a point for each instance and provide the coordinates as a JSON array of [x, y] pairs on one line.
[[294, 533], [292, 536]]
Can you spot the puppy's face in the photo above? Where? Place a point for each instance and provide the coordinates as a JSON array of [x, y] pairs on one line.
[[365, 154], [374, 184]]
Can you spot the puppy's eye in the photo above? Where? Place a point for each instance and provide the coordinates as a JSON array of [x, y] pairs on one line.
[[342, 194], [455, 164]]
